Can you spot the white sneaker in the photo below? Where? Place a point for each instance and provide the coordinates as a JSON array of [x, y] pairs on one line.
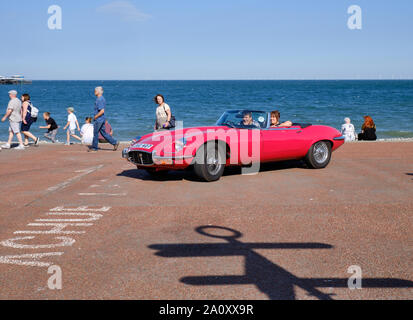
[[6, 146], [20, 147]]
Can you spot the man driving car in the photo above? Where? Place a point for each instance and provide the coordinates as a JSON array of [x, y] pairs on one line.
[[247, 120]]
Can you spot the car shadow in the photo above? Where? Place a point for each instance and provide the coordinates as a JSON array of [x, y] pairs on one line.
[[269, 278], [189, 175], [409, 174]]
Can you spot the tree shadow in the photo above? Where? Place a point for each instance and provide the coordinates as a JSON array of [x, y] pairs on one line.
[[271, 279], [188, 174]]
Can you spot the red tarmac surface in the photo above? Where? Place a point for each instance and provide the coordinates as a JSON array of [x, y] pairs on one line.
[[301, 229]]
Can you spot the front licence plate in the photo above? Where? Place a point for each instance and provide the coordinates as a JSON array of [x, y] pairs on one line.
[[143, 146]]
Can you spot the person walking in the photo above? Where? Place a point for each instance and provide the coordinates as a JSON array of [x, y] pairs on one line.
[[28, 120], [14, 114], [51, 127], [72, 124], [99, 124]]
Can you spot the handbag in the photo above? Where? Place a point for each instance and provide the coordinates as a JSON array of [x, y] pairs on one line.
[[172, 122]]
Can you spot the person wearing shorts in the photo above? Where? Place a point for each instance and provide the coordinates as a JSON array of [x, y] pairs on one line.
[[28, 120], [14, 114], [71, 125]]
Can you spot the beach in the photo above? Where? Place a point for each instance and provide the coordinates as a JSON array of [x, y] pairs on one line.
[[299, 230]]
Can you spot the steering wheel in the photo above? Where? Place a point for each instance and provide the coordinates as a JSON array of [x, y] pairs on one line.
[[230, 124]]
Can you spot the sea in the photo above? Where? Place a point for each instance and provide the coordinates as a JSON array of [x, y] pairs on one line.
[[131, 110]]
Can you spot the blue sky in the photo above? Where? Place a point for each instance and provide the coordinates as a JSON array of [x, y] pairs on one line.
[[189, 39]]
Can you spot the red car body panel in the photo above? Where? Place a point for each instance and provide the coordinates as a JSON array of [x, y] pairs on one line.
[[275, 144]]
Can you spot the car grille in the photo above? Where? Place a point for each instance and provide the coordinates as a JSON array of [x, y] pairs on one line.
[[142, 158]]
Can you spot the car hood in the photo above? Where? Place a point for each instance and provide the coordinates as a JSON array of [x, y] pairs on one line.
[[151, 141]]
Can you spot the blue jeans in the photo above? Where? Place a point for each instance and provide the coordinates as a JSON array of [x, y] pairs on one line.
[[99, 126]]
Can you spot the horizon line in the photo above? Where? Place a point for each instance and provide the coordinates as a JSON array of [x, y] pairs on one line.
[[321, 79]]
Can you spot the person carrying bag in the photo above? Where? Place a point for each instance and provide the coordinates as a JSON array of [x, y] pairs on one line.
[[164, 118]]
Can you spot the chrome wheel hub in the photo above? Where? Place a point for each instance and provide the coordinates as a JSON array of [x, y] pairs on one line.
[[320, 152], [213, 163]]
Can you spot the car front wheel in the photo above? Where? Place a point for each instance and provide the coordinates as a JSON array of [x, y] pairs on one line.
[[319, 155], [210, 162]]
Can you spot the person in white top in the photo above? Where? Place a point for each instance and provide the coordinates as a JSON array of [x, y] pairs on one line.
[[348, 130], [72, 123], [163, 114], [87, 132]]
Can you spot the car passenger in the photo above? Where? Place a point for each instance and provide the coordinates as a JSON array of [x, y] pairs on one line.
[[248, 121], [275, 120]]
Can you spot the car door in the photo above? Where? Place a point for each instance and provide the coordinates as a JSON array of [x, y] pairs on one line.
[[281, 143]]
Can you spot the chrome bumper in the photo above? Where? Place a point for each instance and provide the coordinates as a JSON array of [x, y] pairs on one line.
[[158, 160]]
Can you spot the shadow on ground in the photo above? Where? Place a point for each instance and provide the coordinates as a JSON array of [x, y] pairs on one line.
[[189, 175], [269, 278], [409, 174]]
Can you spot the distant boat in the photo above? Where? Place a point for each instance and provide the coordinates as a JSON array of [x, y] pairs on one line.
[[16, 79]]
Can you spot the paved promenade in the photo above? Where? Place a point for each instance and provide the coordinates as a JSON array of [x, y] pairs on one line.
[[116, 233]]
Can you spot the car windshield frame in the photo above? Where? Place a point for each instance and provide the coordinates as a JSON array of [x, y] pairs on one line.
[[237, 114]]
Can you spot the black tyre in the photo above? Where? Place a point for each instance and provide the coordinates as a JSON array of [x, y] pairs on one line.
[[319, 155], [210, 162]]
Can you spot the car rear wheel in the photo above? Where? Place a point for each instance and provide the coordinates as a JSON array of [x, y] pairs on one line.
[[319, 155], [210, 162]]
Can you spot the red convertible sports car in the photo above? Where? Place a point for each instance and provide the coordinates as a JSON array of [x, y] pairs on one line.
[[239, 138]]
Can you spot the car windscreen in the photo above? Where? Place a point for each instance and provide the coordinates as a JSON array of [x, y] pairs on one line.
[[244, 119]]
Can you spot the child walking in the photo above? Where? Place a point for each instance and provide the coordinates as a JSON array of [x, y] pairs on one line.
[[51, 127], [72, 123]]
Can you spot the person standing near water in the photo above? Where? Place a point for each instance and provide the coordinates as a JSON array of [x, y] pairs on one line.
[[163, 114], [100, 119], [14, 114]]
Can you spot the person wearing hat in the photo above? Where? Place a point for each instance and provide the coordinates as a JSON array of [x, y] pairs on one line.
[[14, 114], [72, 123]]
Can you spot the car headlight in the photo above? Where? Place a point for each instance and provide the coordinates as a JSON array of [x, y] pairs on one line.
[[180, 144]]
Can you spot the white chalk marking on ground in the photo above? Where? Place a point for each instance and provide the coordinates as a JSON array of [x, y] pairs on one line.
[[79, 209], [69, 181], [20, 259], [32, 260], [66, 242], [104, 194], [93, 217], [57, 228], [94, 186]]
